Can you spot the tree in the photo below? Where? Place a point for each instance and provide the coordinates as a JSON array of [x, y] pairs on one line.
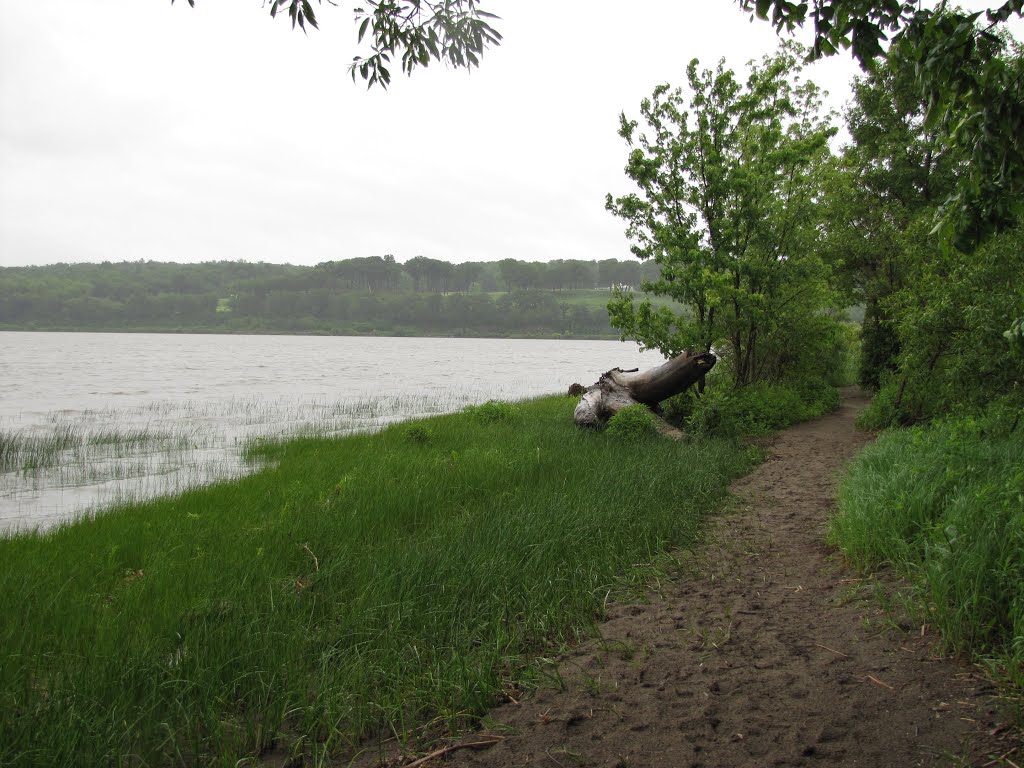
[[728, 209], [430, 274], [971, 90], [934, 337], [893, 177]]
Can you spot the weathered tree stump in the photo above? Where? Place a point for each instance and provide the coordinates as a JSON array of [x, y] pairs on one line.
[[617, 389]]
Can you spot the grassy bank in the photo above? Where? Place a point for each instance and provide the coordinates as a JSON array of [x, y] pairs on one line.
[[357, 586], [943, 505]]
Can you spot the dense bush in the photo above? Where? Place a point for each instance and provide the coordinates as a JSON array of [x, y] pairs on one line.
[[881, 411], [951, 323], [493, 411], [635, 422], [759, 409]]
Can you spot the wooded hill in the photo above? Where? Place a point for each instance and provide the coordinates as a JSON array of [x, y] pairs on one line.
[[370, 295]]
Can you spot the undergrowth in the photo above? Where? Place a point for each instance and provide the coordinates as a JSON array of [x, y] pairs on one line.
[[943, 505], [754, 410], [634, 422]]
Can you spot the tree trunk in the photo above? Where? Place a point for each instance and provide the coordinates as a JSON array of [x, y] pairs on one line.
[[618, 389]]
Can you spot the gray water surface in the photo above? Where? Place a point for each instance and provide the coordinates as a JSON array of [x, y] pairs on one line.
[[90, 419]]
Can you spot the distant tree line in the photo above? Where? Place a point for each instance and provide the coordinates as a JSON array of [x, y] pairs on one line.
[[374, 294]]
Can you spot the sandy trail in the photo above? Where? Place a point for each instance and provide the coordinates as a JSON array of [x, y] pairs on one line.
[[758, 654]]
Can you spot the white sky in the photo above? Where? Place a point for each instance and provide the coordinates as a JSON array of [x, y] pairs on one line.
[[130, 129]]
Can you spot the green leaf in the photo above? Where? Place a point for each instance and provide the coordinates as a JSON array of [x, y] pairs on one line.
[[310, 17]]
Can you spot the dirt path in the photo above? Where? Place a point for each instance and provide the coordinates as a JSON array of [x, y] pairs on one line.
[[759, 655]]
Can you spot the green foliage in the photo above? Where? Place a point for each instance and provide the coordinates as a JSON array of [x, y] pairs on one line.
[[354, 589], [881, 411], [728, 209], [936, 317], [883, 199], [880, 348], [759, 409], [453, 32], [418, 433], [493, 411], [635, 422], [678, 408], [847, 352], [951, 322], [972, 92], [373, 295], [944, 506]]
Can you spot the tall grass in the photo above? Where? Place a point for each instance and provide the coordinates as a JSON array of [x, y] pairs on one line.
[[22, 451], [56, 467], [944, 506], [353, 587]]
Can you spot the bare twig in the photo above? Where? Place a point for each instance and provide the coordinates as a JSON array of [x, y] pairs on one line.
[[1003, 759], [876, 681], [489, 742], [833, 650]]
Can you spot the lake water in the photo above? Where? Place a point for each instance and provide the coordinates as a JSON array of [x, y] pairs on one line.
[[90, 419]]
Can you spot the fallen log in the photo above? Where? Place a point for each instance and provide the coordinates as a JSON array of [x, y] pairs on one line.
[[618, 389]]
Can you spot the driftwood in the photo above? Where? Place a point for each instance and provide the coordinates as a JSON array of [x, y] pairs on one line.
[[618, 389]]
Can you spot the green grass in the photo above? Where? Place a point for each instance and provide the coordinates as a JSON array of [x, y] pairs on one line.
[[755, 410], [29, 453], [944, 506], [354, 587], [21, 451]]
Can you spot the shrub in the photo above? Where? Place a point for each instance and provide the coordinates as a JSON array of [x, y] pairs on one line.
[[635, 422], [493, 411], [417, 433], [759, 409], [678, 408], [881, 411]]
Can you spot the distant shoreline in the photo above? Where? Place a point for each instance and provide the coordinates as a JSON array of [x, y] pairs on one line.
[[284, 332]]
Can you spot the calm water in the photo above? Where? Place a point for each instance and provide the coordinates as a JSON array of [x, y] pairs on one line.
[[89, 419]]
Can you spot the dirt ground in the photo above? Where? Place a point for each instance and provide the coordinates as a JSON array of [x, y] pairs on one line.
[[764, 651]]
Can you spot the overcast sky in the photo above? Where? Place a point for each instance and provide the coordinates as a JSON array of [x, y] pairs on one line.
[[130, 129]]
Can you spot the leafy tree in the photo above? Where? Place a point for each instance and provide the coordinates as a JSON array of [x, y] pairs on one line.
[[937, 310], [971, 91], [728, 209], [612, 272], [430, 274], [520, 275], [950, 319], [894, 174]]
